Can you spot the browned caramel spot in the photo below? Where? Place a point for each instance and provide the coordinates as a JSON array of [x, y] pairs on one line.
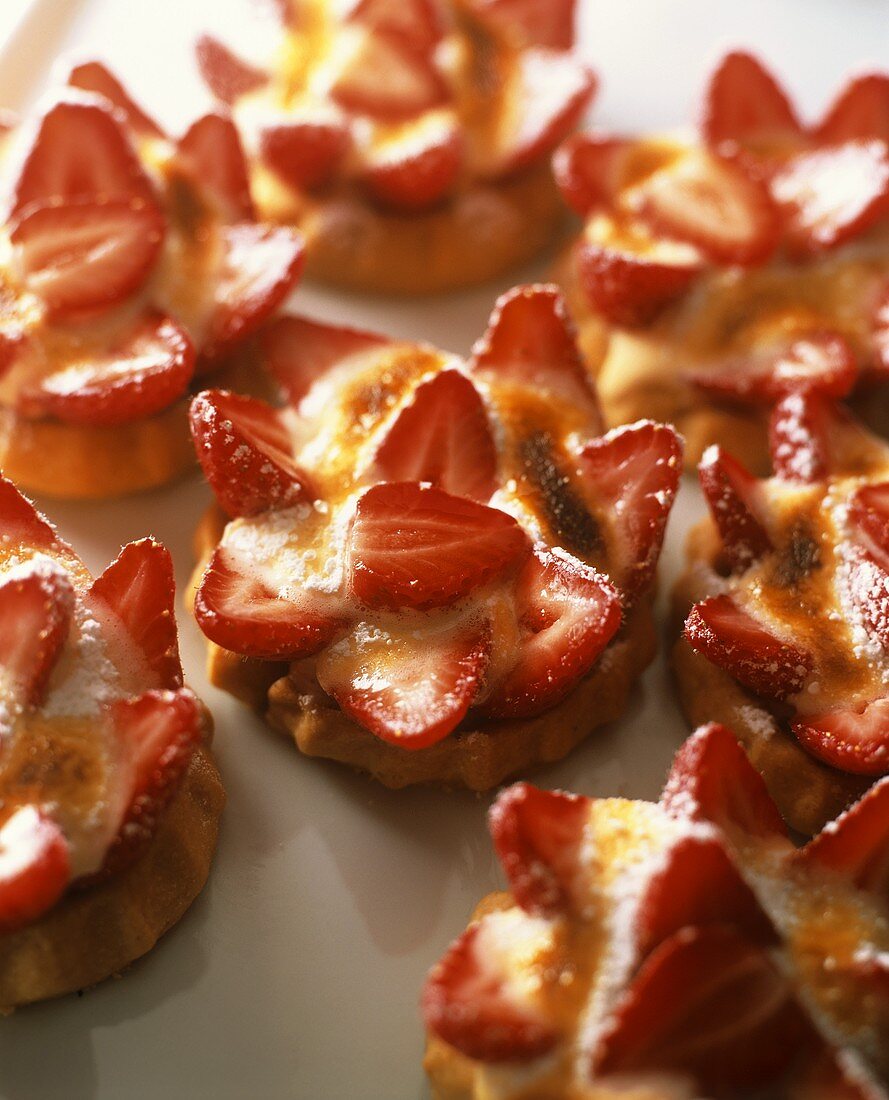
[[560, 506]]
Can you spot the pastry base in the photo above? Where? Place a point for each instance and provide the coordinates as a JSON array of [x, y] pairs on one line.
[[97, 932]]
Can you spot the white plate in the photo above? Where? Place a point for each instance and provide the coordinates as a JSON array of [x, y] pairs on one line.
[[297, 972]]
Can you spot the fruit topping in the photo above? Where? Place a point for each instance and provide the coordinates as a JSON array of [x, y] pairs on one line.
[[733, 498]]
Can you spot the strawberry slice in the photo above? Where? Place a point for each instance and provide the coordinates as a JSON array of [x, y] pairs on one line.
[[590, 170], [868, 587], [416, 22], [21, 524], [211, 155], [444, 437], [856, 845], [299, 351], [744, 103], [799, 437], [80, 151], [34, 867], [537, 835], [830, 195], [246, 454], [733, 497], [261, 266], [226, 75], [86, 255], [418, 165], [736, 642], [880, 337], [709, 201], [528, 22], [860, 112], [139, 588], [93, 76], [710, 1003], [632, 475], [387, 79], [712, 780], [141, 373], [569, 614], [818, 360], [409, 689], [413, 546], [853, 740], [305, 153], [869, 520], [36, 606], [470, 1001], [237, 610]]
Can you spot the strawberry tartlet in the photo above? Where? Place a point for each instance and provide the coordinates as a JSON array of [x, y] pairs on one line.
[[132, 263], [409, 139], [683, 948], [716, 272], [434, 569], [109, 799]]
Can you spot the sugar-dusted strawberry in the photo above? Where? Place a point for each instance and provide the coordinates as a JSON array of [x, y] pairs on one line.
[[710, 202], [226, 75], [34, 867], [732, 495], [734, 640], [569, 614], [414, 546], [854, 740], [86, 254], [21, 525], [537, 835], [93, 76], [857, 843], [418, 165], [868, 588], [860, 112], [869, 521], [416, 22], [528, 22], [799, 437], [632, 475], [880, 331], [744, 104], [36, 605], [298, 351], [237, 610], [444, 437], [470, 1002], [143, 370], [590, 170], [412, 688], [210, 153], [304, 152], [832, 194], [138, 587], [708, 1002]]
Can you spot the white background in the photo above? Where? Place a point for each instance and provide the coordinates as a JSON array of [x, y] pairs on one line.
[[296, 974]]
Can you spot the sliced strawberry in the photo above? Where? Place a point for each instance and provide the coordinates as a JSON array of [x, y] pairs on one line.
[[36, 606], [93, 76], [736, 642], [880, 337], [304, 152], [528, 22], [744, 103], [444, 437], [142, 372], [34, 867], [799, 437], [819, 360], [80, 151], [860, 112], [869, 520], [545, 96], [712, 780], [21, 524], [226, 75], [418, 166], [632, 475], [569, 614], [86, 255], [852, 740], [299, 351], [238, 611], [868, 586], [833, 194], [211, 154], [409, 689], [139, 588], [246, 453], [417, 547], [590, 170], [857, 843], [261, 266], [470, 1002], [384, 77], [707, 1002], [709, 201], [537, 835], [733, 498], [416, 22]]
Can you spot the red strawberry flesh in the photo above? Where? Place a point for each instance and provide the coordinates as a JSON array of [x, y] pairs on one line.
[[732, 496], [744, 103], [36, 606], [34, 867]]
